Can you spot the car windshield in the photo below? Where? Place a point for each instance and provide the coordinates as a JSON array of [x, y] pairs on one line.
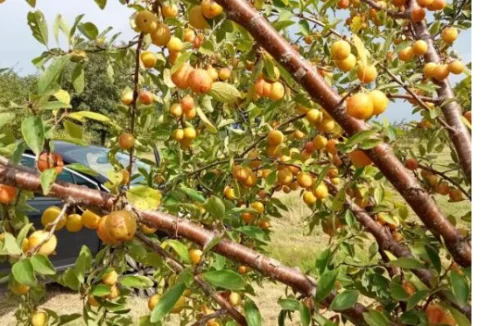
[[97, 160]]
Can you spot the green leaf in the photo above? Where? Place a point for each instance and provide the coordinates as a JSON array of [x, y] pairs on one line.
[[225, 279], [289, 304], [74, 130], [415, 298], [78, 78], [167, 302], [375, 318], [89, 30], [31, 3], [460, 287], [193, 194], [136, 281], [344, 300], [252, 314], [209, 125], [65, 319], [10, 246], [6, 117], [39, 28], [82, 168], [23, 272], [83, 263], [42, 265], [100, 290], [224, 92], [215, 207], [101, 3], [461, 319], [48, 79], [360, 136], [409, 263], [60, 23], [82, 115], [54, 105], [48, 177], [23, 233], [398, 292], [144, 198], [325, 284], [179, 248], [305, 314], [339, 201], [33, 132], [434, 257]]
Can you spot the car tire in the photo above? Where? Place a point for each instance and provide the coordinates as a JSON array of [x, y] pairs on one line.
[[135, 268]]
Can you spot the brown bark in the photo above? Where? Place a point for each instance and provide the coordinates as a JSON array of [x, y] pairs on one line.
[[306, 75], [24, 178], [460, 135]]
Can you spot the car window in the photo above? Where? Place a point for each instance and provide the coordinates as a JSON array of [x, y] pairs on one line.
[[97, 160]]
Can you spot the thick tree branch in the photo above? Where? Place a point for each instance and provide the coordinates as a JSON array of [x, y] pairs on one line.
[[307, 76], [28, 179], [452, 110]]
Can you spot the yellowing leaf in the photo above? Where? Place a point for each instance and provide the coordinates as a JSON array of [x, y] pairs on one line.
[[224, 92], [209, 125], [356, 24], [144, 198], [361, 50], [63, 96]]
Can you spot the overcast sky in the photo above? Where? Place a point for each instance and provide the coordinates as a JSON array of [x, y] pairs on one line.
[[18, 47]]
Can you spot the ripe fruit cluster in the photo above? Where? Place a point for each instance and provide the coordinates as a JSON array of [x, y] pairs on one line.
[[442, 70], [363, 106], [185, 136], [275, 90], [198, 80], [419, 48]]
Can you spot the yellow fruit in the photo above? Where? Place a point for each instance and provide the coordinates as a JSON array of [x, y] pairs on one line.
[[321, 192], [175, 44], [37, 237], [229, 193], [277, 91], [74, 223], [179, 305], [320, 142], [305, 180], [406, 54], [178, 134], [176, 110], [210, 9], [326, 125], [366, 74], [146, 21], [110, 278], [161, 35], [169, 10], [50, 215], [284, 177], [190, 133], [180, 76], [127, 97], [309, 198], [420, 47], [313, 116], [213, 73], [40, 318], [429, 69], [340, 50], [441, 72], [224, 73], [360, 106], [120, 225], [449, 34], [347, 64], [234, 299], [379, 100], [195, 255], [91, 300], [19, 289], [196, 18], [90, 220], [115, 293], [258, 206], [456, 67], [275, 138], [152, 302], [149, 59]]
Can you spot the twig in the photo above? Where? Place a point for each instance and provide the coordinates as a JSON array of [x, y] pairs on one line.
[[204, 320], [133, 106], [445, 177]]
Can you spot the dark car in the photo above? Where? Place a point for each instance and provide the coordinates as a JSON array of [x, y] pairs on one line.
[[95, 158]]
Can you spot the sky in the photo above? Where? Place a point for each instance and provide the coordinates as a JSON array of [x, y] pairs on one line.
[[18, 47]]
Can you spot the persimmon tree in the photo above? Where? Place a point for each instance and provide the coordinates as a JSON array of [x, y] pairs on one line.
[[243, 101]]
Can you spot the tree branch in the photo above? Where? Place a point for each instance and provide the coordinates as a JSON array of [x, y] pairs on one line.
[[307, 76]]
